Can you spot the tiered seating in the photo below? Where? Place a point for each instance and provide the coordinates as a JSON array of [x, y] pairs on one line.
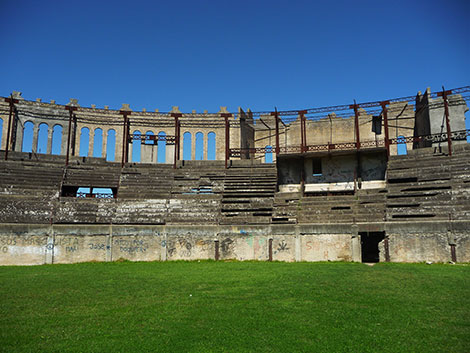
[[429, 186], [92, 172], [31, 178], [146, 181], [29, 186], [248, 193], [364, 206]]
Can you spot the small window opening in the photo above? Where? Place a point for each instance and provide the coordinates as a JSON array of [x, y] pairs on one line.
[[370, 245], [316, 167], [89, 192]]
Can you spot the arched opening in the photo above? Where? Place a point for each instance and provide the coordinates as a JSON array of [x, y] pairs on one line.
[[161, 147], [187, 146], [42, 138], [149, 138], [199, 146], [401, 145], [268, 154], [57, 139], [98, 143], [211, 146], [1, 131], [84, 142], [110, 145], [136, 146], [27, 137]]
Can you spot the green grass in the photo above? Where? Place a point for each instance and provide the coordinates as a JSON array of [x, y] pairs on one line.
[[235, 307]]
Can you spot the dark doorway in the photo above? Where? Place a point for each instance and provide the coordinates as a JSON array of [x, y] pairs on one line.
[[370, 245]]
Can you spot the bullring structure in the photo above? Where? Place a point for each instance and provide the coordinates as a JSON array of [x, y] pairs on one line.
[[321, 184]]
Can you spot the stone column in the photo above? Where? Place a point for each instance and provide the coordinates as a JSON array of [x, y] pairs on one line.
[[19, 136], [63, 144], [49, 139], [91, 142], [355, 244], [205, 144], [105, 143], [193, 146], [35, 137]]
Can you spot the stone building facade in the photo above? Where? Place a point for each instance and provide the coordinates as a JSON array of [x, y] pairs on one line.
[[322, 184]]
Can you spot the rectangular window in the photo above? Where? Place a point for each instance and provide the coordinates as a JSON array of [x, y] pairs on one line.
[[316, 166]]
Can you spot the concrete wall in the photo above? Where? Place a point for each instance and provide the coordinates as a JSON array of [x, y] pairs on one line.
[[430, 117], [335, 168], [23, 244]]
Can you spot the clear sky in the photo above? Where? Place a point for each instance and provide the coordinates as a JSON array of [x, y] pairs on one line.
[[255, 54]]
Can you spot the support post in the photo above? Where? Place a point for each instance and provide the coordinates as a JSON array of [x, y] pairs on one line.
[[227, 135], [303, 134], [387, 249], [125, 137], [270, 250], [444, 94], [71, 109], [217, 253], [356, 124], [12, 102], [74, 134], [385, 115], [176, 156], [276, 117]]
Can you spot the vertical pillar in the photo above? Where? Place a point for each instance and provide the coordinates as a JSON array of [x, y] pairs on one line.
[[303, 133], [217, 253], [71, 107], [193, 146], [385, 115], [356, 255], [226, 115], [270, 250], [74, 134], [104, 143], [444, 94], [125, 133], [276, 119], [12, 102], [50, 132], [109, 244], [356, 124], [176, 115], [34, 148], [91, 142], [387, 249]]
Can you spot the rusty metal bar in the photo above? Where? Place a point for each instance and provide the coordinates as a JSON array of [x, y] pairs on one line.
[[227, 137], [74, 134], [125, 137], [276, 117], [70, 109], [217, 253], [12, 102], [356, 124], [270, 250], [177, 137], [303, 135], [444, 94], [387, 249], [453, 254], [385, 115]]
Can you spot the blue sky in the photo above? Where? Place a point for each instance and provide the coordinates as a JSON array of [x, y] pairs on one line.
[[254, 54], [206, 54]]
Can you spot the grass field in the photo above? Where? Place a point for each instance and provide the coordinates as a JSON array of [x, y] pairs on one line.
[[235, 307]]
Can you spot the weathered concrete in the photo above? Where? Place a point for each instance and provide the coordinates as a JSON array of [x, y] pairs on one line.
[[34, 244]]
